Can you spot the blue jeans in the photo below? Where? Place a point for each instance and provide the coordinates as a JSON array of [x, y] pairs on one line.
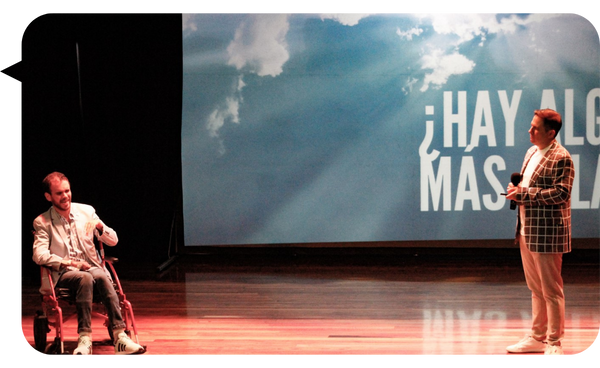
[[81, 284]]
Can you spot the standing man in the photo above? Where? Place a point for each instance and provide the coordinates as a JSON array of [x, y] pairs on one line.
[[64, 241], [544, 231]]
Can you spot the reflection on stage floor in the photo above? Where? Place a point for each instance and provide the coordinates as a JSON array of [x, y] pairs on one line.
[[425, 304]]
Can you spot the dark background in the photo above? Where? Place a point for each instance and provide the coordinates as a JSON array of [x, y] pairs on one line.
[[101, 103]]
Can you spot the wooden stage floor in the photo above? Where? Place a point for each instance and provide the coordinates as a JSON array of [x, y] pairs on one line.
[[411, 302]]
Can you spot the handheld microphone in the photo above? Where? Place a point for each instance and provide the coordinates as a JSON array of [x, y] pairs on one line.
[[515, 179]]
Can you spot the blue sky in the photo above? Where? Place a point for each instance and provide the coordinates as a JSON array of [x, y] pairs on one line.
[[306, 128]]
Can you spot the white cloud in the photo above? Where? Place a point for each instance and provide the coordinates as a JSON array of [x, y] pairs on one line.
[[187, 22], [466, 27], [228, 112], [345, 19], [408, 35], [259, 44], [408, 87], [219, 116], [444, 66], [445, 61]]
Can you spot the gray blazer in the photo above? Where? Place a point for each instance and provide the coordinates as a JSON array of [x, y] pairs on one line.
[[49, 247]]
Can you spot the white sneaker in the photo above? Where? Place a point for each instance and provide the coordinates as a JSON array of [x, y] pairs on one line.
[[527, 345], [84, 346], [553, 350], [125, 345]]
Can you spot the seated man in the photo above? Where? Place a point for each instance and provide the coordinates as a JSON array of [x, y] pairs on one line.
[[64, 242]]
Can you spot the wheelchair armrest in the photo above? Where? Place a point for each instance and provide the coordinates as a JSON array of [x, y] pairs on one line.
[[46, 284]]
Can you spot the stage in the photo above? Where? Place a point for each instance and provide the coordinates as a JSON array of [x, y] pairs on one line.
[[401, 302]]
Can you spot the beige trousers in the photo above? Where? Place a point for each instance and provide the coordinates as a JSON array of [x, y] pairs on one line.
[[543, 276]]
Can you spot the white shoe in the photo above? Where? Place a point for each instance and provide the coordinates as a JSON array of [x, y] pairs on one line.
[[554, 350], [527, 345], [84, 346], [125, 345]]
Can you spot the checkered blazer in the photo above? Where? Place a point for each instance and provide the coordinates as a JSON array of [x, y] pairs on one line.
[[547, 201]]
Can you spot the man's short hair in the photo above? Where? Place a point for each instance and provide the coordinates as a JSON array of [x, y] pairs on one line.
[[52, 177], [552, 120]]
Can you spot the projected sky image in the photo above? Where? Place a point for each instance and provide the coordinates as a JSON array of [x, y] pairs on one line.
[[394, 127]]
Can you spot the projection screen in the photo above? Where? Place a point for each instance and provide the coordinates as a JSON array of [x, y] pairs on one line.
[[309, 128]]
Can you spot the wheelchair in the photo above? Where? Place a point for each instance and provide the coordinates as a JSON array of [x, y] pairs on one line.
[[55, 299]]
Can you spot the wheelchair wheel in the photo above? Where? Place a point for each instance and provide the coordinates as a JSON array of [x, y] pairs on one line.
[[40, 330]]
